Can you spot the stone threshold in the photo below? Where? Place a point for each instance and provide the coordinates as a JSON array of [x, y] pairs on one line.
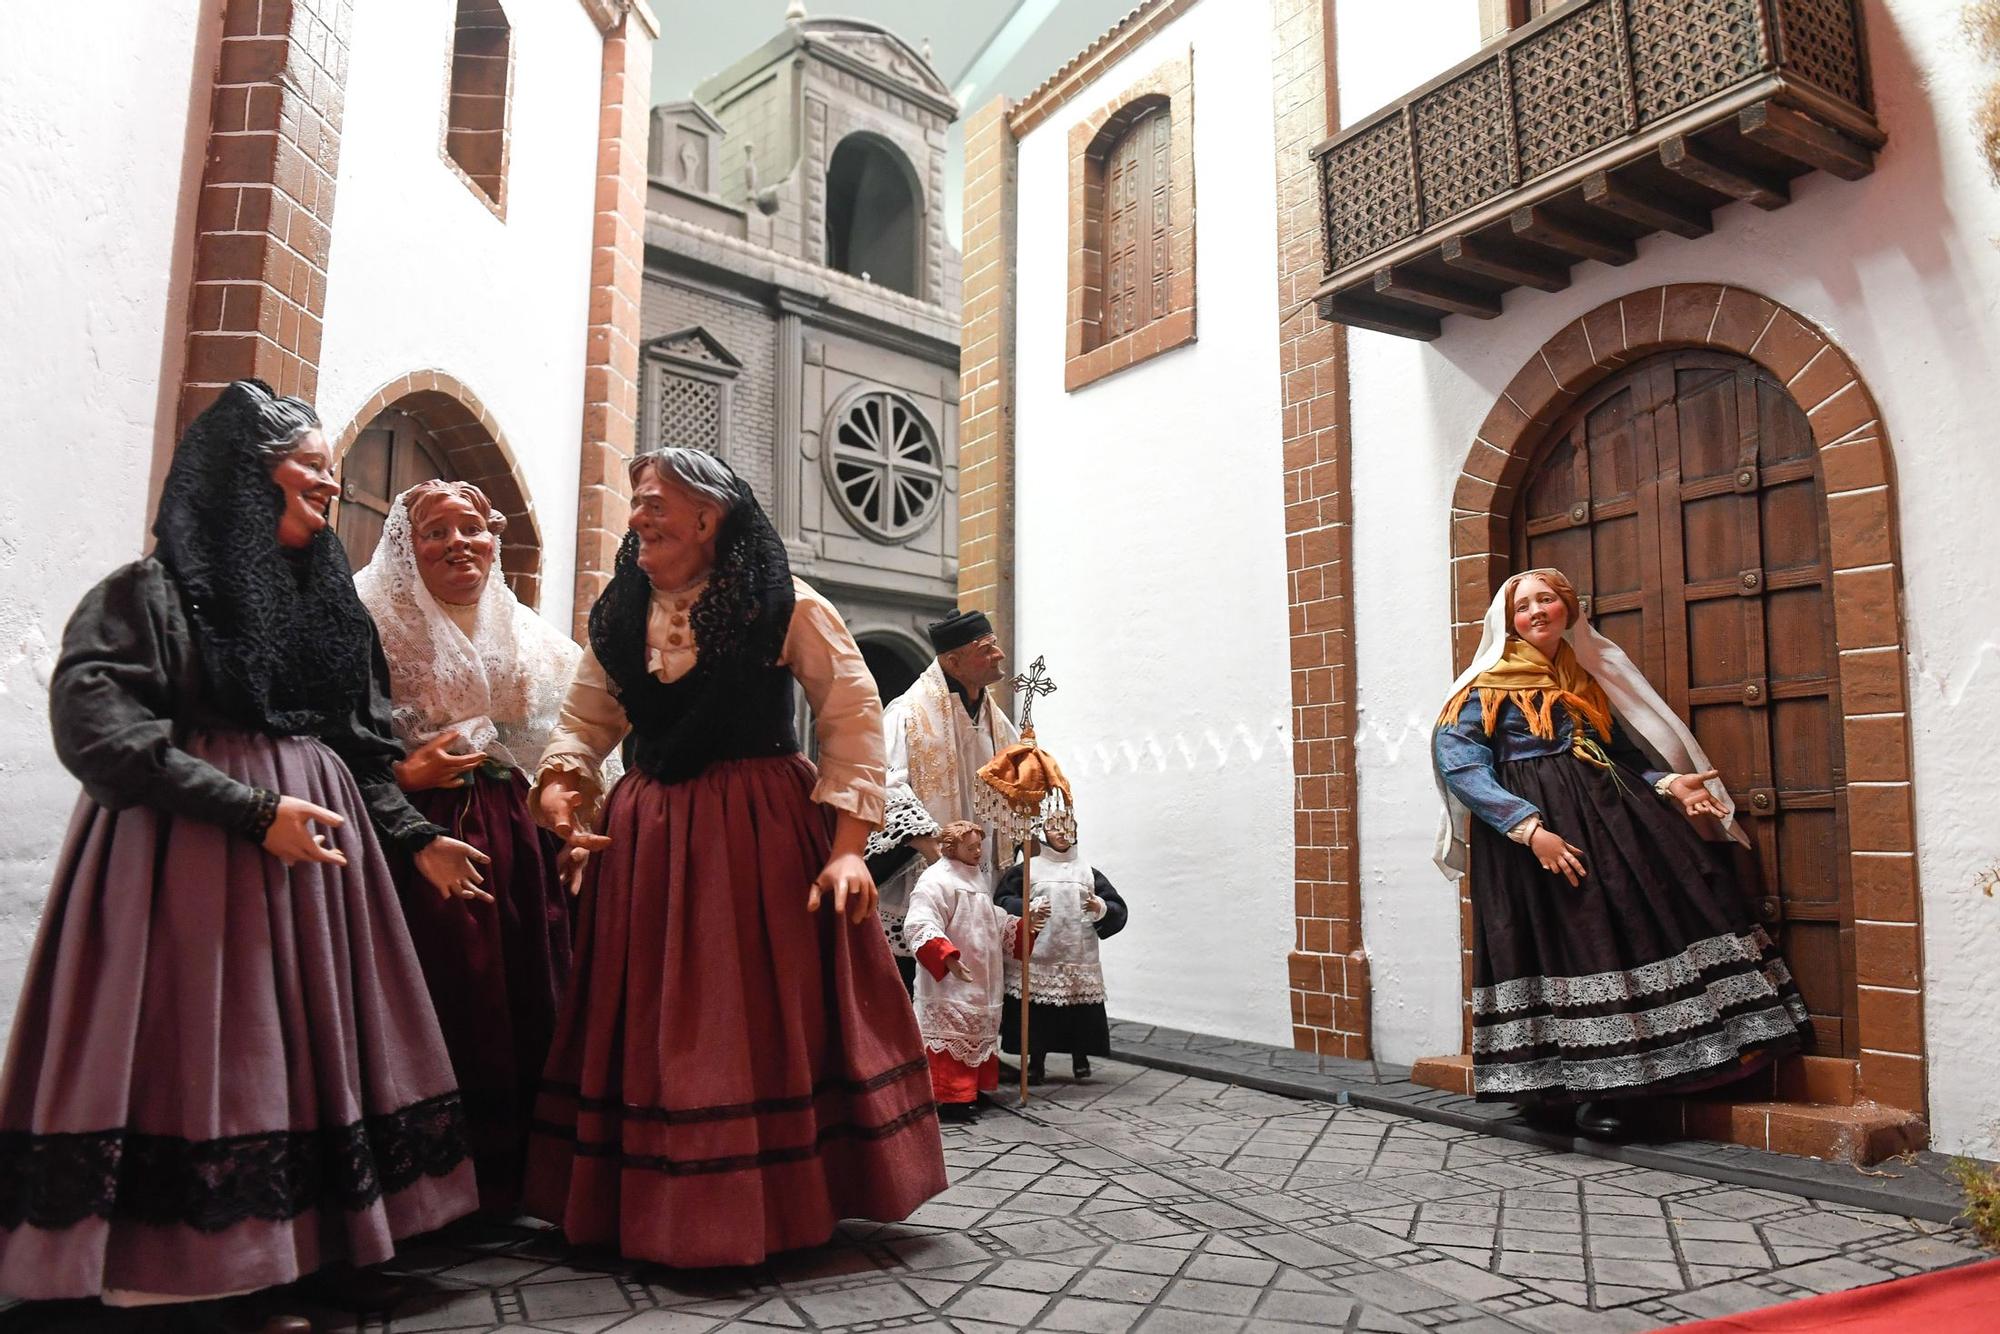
[[1919, 1186]]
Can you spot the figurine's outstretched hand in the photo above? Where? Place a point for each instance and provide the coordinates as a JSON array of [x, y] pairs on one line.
[[559, 801], [1038, 913], [434, 765], [956, 967], [453, 868], [291, 838], [1691, 791], [846, 877]]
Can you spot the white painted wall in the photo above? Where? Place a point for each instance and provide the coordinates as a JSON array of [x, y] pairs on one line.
[[1902, 270], [1150, 563], [90, 190], [422, 274]]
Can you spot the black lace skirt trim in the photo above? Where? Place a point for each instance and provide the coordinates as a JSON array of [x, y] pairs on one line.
[[58, 1181]]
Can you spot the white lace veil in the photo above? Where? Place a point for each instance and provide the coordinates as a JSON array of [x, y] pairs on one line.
[[1655, 728], [500, 689]]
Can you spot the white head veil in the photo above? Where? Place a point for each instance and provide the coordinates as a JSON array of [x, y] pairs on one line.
[[1655, 728], [500, 689]]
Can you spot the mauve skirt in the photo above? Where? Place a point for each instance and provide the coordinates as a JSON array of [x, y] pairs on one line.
[[731, 1074], [1650, 977], [223, 1074], [495, 970]]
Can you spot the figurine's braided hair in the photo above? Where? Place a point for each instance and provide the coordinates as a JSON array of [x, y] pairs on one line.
[[284, 641]]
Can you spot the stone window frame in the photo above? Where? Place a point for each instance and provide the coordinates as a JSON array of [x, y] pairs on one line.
[[720, 369], [838, 414], [467, 112], [1088, 360]]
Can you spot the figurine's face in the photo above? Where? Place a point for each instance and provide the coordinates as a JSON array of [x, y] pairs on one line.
[[454, 547], [1539, 614], [677, 530], [306, 477], [976, 665], [1056, 839], [967, 849]]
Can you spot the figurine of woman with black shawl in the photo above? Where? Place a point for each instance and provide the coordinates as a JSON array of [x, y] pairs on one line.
[[224, 1071], [734, 1071], [476, 680], [1613, 954]]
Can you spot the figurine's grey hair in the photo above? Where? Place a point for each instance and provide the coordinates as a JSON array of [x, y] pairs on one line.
[[694, 470], [281, 423]]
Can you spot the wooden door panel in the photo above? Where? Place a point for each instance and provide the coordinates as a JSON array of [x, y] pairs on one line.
[[1790, 524], [1615, 564], [1683, 499], [1802, 755], [390, 455], [1559, 483], [1615, 466], [1797, 650]]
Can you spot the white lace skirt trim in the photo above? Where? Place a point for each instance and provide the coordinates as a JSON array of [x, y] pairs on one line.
[[1683, 970], [1640, 1068], [1060, 983]]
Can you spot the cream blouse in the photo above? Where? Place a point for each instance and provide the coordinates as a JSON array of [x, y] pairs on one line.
[[820, 654]]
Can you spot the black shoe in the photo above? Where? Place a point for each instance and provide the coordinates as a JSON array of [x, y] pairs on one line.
[[1036, 1073], [958, 1113], [1599, 1121], [1079, 1065]]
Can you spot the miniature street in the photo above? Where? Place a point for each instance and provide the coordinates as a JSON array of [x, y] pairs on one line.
[[1152, 1201]]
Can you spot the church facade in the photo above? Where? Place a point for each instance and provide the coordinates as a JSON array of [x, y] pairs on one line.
[[800, 314]]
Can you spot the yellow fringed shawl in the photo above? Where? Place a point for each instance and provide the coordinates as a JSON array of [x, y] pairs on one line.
[[1536, 686]]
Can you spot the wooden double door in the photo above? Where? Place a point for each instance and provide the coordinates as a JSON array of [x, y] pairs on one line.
[[389, 455], [1683, 499]]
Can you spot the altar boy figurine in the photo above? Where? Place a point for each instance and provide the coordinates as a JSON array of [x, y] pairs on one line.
[[963, 939]]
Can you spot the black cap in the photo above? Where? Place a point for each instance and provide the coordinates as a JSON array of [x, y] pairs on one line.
[[958, 629]]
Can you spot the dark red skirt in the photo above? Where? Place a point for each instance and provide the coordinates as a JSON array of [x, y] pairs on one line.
[[731, 1074], [223, 1073], [495, 970]]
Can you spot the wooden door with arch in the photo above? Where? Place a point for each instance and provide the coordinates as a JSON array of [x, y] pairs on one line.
[[1683, 498]]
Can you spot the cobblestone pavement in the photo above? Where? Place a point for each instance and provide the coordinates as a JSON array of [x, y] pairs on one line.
[[1153, 1201]]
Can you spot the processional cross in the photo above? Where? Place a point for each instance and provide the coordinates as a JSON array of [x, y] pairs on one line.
[[1032, 683], [1023, 786]]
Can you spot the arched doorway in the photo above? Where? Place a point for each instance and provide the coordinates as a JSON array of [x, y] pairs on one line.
[[874, 214], [390, 454], [894, 664], [1683, 497], [427, 424], [1860, 748]]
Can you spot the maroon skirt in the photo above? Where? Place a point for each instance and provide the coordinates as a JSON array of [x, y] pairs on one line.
[[223, 1073], [731, 1075], [495, 970]]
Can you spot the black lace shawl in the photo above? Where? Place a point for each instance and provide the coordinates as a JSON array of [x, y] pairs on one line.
[[284, 641], [739, 621]]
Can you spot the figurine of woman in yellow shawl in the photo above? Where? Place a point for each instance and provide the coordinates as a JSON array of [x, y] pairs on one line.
[[1613, 954]]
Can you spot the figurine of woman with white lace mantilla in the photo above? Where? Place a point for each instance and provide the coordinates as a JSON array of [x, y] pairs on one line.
[[477, 680], [1614, 955]]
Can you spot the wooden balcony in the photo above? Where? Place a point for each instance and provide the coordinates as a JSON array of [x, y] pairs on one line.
[[1598, 123]]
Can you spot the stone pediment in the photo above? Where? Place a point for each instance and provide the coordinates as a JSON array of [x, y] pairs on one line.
[[697, 345], [881, 54]]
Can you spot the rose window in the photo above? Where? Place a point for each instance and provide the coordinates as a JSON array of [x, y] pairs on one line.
[[885, 465]]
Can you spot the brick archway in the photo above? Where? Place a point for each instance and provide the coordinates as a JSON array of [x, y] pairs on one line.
[[1855, 467], [477, 452]]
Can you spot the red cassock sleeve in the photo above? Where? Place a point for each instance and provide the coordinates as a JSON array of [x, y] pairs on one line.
[[936, 955]]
